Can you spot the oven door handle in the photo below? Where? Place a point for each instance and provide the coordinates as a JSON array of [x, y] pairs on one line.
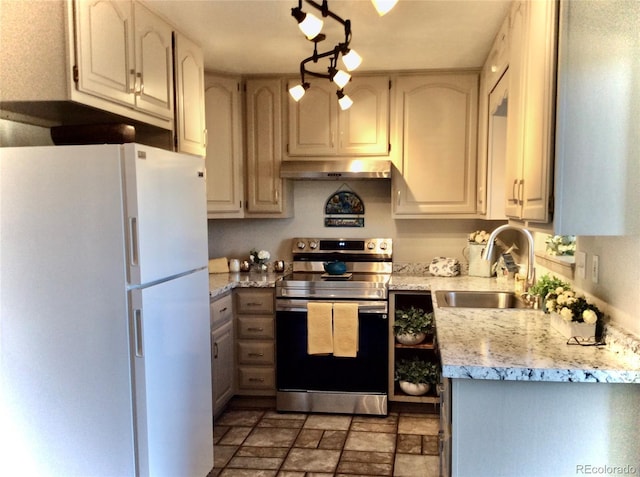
[[367, 307]]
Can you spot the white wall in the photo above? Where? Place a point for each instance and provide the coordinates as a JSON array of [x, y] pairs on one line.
[[413, 240]]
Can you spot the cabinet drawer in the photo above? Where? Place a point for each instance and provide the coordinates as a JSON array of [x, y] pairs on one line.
[[256, 378], [255, 352], [254, 301], [221, 310], [253, 327]]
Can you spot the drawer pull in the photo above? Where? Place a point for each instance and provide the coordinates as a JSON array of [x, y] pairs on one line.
[[222, 310], [255, 329], [256, 380], [256, 355]]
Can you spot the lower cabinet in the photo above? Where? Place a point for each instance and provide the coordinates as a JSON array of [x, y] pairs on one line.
[[426, 351], [222, 362], [255, 342]]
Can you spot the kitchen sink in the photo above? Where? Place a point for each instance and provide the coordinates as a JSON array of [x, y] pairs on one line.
[[479, 299]]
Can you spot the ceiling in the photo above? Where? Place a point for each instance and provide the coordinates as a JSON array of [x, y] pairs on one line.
[[261, 36]]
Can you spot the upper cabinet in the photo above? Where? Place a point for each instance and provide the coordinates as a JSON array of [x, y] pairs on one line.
[[190, 121], [318, 127], [492, 127], [436, 127], [115, 57], [267, 194], [597, 142], [530, 120], [223, 113], [154, 63]]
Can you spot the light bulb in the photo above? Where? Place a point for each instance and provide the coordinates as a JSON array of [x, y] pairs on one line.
[[384, 6], [351, 60], [345, 102], [310, 26], [297, 92], [341, 78]]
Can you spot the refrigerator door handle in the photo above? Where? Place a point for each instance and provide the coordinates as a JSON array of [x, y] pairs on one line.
[[137, 325], [133, 241]]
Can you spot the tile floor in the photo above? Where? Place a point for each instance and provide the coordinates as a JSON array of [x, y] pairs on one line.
[[265, 443]]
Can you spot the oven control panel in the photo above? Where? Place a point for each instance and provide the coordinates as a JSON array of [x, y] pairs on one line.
[[332, 245]]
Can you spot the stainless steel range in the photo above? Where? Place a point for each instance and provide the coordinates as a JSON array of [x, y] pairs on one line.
[[328, 382]]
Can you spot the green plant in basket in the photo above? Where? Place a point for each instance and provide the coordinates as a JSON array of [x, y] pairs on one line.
[[417, 371], [547, 284], [413, 321]]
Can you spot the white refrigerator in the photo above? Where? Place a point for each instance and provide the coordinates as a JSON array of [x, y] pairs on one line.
[[104, 302]]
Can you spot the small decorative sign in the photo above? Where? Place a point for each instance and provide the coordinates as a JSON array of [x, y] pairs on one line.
[[348, 206]]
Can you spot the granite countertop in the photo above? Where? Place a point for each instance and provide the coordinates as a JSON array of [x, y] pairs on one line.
[[510, 344], [513, 344], [221, 283]]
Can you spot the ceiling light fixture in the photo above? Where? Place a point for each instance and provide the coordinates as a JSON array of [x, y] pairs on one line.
[[344, 101], [384, 6], [308, 23], [350, 58]]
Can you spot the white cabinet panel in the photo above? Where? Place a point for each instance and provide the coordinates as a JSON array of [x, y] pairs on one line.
[[224, 147], [436, 117]]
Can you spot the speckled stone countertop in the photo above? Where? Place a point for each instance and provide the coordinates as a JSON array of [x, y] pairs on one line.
[[221, 283], [511, 344]]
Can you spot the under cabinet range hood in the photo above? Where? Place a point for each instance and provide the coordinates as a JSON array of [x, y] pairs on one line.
[[351, 169]]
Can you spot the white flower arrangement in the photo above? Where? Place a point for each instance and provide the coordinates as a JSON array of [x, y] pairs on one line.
[[259, 258], [572, 307], [561, 244]]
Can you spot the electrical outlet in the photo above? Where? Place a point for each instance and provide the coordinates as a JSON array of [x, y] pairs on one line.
[[595, 268], [581, 265]]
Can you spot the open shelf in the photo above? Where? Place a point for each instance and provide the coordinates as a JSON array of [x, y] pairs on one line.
[[427, 350]]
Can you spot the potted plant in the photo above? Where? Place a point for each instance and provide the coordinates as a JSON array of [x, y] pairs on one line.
[[413, 325], [571, 314], [545, 285], [416, 376]]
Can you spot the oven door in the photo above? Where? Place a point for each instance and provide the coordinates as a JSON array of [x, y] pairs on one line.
[[299, 371]]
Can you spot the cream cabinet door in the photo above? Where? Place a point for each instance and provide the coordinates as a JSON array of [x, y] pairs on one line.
[[190, 121], [224, 147], [436, 124], [313, 121], [105, 49], [154, 63], [222, 365], [266, 191], [531, 110], [318, 127], [364, 128]]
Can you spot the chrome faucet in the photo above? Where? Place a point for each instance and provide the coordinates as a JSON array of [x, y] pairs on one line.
[[530, 268]]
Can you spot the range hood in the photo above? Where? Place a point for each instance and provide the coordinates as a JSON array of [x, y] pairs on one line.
[[351, 169]]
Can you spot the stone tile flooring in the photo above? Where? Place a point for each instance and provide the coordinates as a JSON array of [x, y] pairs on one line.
[[264, 443]]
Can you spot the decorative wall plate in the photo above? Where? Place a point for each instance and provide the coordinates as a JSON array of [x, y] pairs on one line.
[[344, 202]]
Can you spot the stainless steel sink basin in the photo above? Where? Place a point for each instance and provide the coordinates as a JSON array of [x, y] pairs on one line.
[[479, 299]]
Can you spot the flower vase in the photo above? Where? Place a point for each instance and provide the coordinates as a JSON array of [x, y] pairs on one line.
[[569, 329]]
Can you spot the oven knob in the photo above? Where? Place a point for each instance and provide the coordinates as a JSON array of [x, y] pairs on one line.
[[313, 244], [383, 246], [301, 245], [371, 245]]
